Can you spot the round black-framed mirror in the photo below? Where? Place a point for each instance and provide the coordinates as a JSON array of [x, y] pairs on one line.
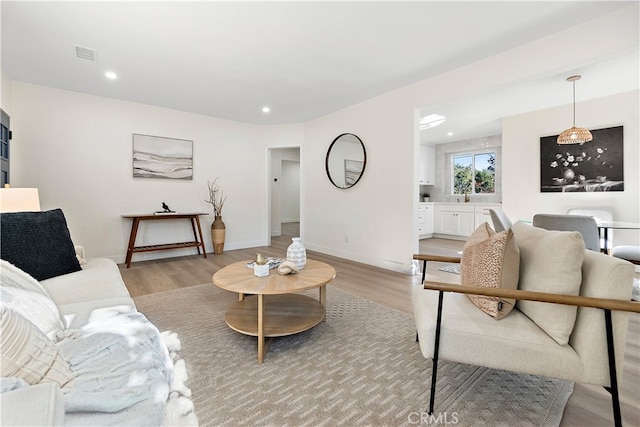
[[346, 160]]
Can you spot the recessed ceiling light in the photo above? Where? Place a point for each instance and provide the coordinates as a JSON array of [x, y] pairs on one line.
[[450, 133], [111, 75], [431, 121], [266, 109]]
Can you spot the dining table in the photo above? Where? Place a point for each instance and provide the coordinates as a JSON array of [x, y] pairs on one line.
[[605, 226]]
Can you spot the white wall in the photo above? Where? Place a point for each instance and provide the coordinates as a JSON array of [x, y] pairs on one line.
[[77, 149], [370, 222], [521, 161], [290, 202], [5, 91]]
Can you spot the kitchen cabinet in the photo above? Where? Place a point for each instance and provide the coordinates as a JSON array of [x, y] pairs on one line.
[[429, 217], [458, 219], [425, 219], [427, 165], [455, 219]]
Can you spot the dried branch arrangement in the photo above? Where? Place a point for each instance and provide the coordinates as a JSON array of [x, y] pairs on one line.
[[216, 197]]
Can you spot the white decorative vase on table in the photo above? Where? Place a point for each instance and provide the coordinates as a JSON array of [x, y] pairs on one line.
[[296, 253]]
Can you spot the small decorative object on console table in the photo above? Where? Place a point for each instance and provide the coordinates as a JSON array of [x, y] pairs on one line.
[[218, 229], [166, 210], [296, 253]]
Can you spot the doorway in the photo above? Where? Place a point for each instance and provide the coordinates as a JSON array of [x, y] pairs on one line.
[[285, 189]]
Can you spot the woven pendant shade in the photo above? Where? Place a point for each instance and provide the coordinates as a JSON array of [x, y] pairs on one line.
[[574, 135]]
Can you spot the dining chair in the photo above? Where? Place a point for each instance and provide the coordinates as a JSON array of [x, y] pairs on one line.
[[500, 220], [627, 252], [585, 225], [599, 215]]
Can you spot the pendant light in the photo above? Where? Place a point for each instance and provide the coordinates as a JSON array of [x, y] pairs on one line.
[[574, 135]]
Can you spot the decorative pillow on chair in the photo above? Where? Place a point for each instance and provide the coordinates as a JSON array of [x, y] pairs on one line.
[[550, 261], [491, 260], [25, 352], [38, 243]]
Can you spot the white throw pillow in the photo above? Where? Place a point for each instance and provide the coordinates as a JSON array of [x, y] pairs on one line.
[[25, 352], [550, 261], [26, 296]]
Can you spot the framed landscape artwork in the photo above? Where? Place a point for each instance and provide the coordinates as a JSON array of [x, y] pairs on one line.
[[596, 165], [159, 157]]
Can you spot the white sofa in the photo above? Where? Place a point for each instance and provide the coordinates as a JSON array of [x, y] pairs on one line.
[[96, 307], [98, 285]]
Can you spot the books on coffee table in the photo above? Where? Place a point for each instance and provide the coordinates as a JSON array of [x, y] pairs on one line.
[[272, 262]]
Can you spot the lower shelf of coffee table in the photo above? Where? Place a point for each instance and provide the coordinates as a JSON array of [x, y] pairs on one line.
[[284, 315]]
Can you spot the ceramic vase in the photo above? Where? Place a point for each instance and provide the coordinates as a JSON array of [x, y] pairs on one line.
[[568, 175], [296, 253], [218, 231]]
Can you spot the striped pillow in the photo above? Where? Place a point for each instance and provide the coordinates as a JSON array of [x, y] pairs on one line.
[[26, 352], [27, 297]]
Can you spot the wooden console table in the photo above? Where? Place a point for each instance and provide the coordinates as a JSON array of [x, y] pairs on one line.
[[195, 224]]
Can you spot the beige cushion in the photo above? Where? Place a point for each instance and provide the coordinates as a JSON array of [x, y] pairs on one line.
[[550, 261], [28, 298], [100, 278], [27, 353], [469, 336], [37, 405], [491, 260]]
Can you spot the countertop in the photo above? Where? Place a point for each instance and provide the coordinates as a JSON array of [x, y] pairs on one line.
[[463, 203]]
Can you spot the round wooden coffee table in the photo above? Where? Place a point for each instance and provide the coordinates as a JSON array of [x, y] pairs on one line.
[[283, 312]]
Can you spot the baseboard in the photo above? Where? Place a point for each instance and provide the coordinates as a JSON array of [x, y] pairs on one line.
[[450, 236], [386, 264], [172, 253]]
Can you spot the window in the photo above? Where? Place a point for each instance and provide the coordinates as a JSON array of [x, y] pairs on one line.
[[5, 136], [474, 173]]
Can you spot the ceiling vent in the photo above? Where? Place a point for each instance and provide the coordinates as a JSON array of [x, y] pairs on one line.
[[85, 53]]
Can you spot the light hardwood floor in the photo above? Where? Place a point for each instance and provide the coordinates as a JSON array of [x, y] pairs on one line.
[[588, 405]]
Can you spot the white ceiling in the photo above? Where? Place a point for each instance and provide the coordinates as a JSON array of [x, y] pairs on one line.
[[480, 116], [303, 59]]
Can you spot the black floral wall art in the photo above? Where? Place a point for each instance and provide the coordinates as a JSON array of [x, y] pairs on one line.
[[593, 166]]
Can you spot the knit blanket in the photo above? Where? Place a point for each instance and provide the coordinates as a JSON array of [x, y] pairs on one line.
[[125, 373]]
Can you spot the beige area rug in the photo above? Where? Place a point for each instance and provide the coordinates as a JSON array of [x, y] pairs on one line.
[[362, 367]]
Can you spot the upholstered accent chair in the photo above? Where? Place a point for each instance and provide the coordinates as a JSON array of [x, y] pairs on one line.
[[569, 320]]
